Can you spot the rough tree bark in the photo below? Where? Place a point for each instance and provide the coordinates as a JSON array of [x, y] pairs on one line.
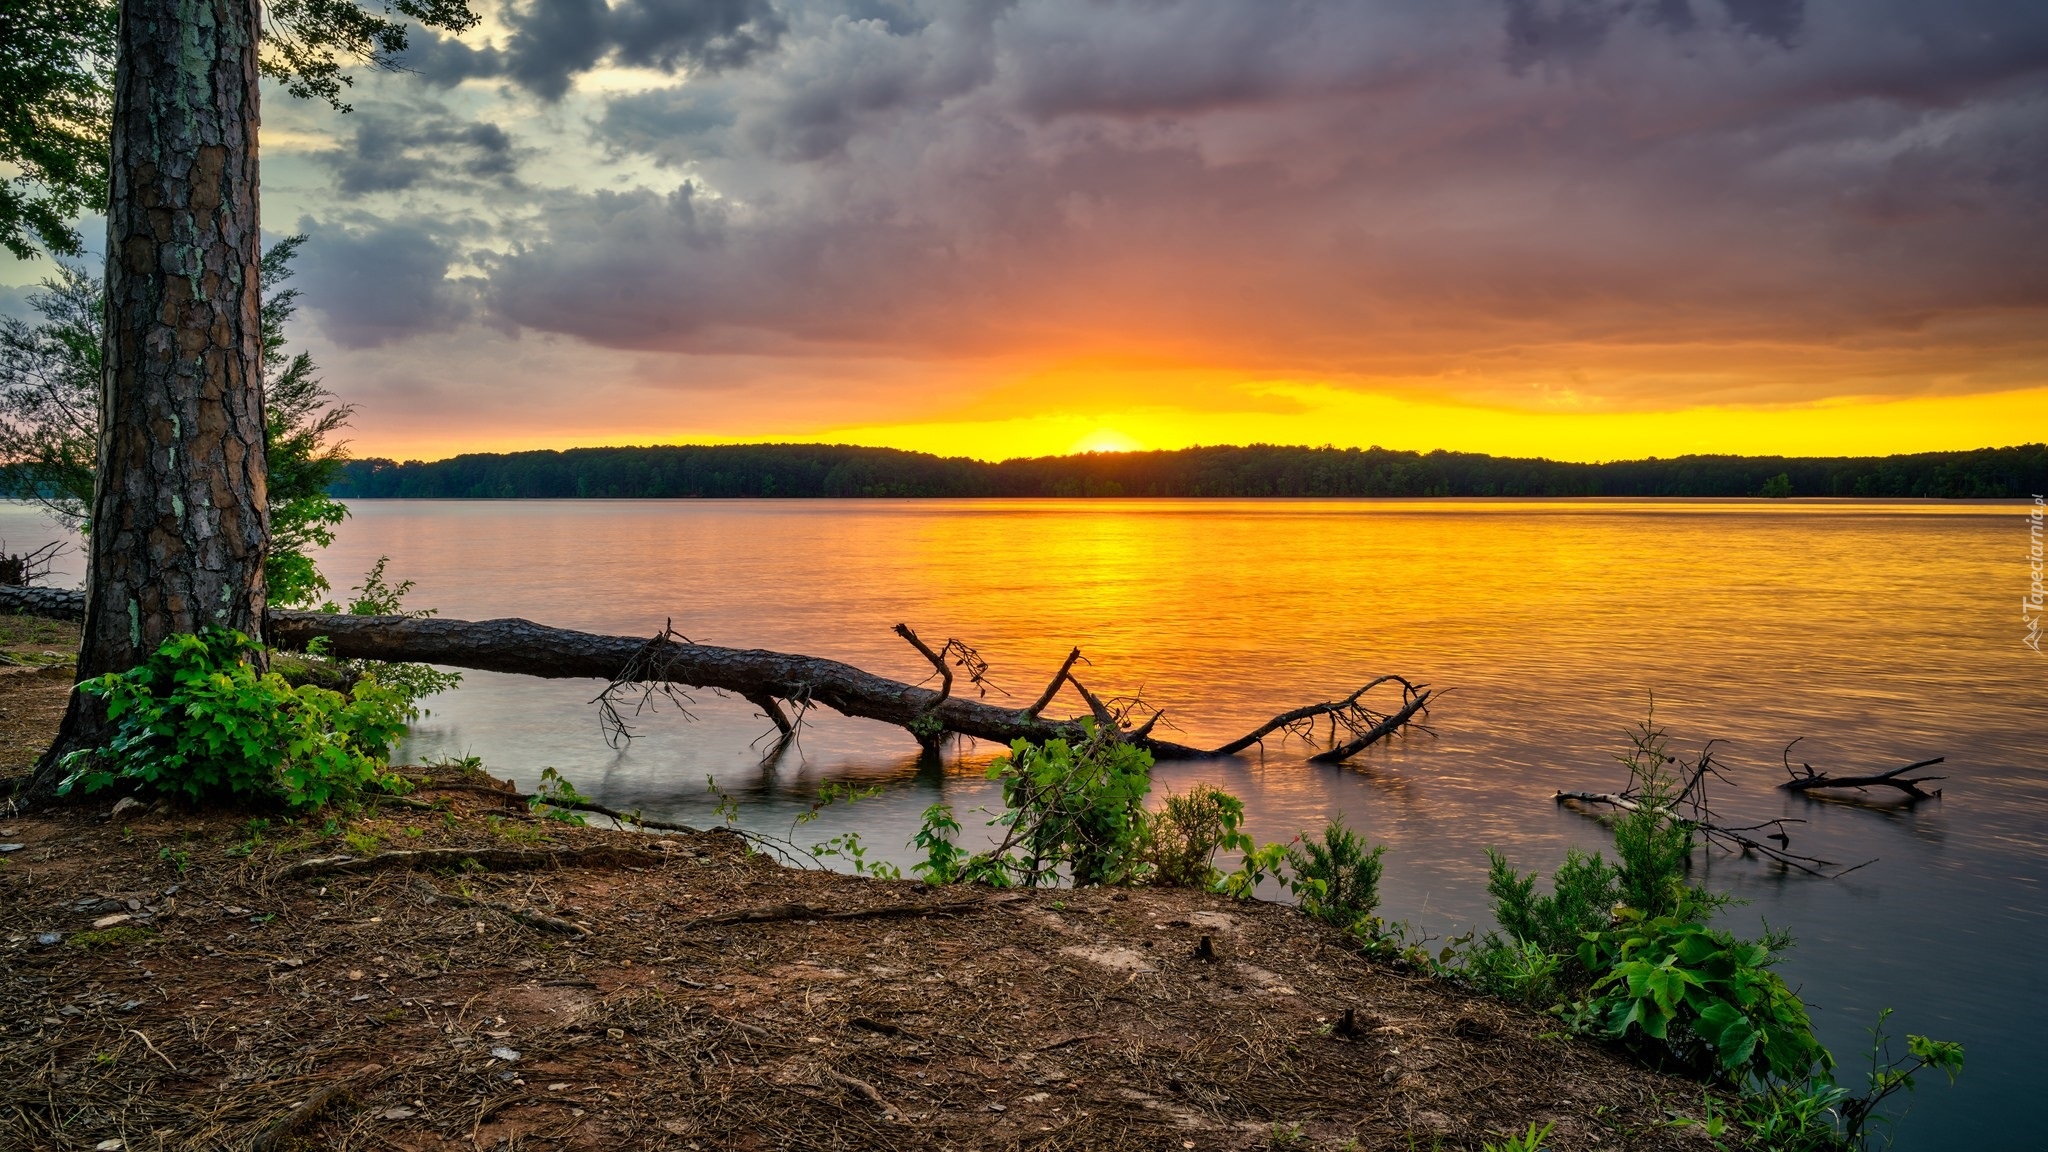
[[179, 520]]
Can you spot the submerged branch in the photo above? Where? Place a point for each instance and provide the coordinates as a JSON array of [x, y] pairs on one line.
[[1896, 778]]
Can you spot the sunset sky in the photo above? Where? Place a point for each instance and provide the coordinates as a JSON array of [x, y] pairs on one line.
[[1586, 229]]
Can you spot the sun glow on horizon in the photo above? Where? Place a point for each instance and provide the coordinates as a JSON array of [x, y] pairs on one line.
[[1106, 440]]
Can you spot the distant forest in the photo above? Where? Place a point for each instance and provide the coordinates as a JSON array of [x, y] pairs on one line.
[[814, 470]]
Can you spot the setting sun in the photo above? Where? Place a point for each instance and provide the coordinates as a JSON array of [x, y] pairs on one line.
[[1106, 440]]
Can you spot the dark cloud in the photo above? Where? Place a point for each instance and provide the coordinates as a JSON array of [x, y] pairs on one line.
[[554, 40], [1320, 185], [671, 124], [392, 151], [380, 282], [1777, 20], [445, 61]]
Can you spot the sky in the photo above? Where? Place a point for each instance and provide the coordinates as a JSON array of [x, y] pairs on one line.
[[1583, 229]]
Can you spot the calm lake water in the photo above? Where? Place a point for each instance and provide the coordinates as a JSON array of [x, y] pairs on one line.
[[1881, 633]]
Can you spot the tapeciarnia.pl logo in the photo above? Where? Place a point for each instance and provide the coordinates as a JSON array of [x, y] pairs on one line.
[[2032, 603]]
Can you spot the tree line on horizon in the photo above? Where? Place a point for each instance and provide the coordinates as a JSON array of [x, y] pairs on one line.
[[821, 470]]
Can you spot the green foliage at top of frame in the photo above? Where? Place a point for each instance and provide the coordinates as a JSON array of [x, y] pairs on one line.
[[198, 720]]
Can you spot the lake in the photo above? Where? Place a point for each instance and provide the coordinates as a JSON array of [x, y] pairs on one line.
[[1881, 633]]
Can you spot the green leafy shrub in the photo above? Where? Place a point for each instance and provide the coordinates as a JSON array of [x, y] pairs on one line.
[[1258, 863], [1182, 838], [1582, 895], [1817, 1114], [1708, 999], [1077, 805], [1336, 878], [198, 720], [1537, 958]]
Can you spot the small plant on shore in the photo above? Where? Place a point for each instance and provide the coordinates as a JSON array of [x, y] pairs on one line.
[[1890, 1074], [1182, 838], [1818, 1115], [849, 847], [1530, 1141], [1336, 878], [1514, 969], [198, 720], [945, 862], [1534, 957], [1078, 806], [556, 798], [1258, 863]]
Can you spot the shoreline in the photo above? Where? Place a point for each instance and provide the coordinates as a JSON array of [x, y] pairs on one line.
[[190, 978]]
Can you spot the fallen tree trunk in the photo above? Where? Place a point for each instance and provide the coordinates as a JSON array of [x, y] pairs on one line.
[[763, 677]]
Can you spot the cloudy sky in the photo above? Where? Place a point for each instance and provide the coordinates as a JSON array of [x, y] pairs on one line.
[[1581, 228]]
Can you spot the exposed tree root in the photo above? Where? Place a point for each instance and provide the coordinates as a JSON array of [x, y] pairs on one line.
[[539, 921], [781, 912], [490, 859], [517, 799]]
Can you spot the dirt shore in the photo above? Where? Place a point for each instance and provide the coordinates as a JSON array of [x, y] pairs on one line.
[[178, 979]]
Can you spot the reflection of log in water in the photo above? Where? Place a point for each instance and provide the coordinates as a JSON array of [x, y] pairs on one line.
[[783, 685]]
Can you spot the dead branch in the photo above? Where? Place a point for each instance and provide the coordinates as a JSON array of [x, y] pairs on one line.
[[1896, 778], [1059, 678], [1689, 807], [945, 673], [862, 1089], [646, 673], [495, 859], [20, 569], [1418, 701], [284, 1127], [773, 711]]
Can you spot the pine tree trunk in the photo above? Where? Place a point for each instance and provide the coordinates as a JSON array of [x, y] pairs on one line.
[[179, 520]]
